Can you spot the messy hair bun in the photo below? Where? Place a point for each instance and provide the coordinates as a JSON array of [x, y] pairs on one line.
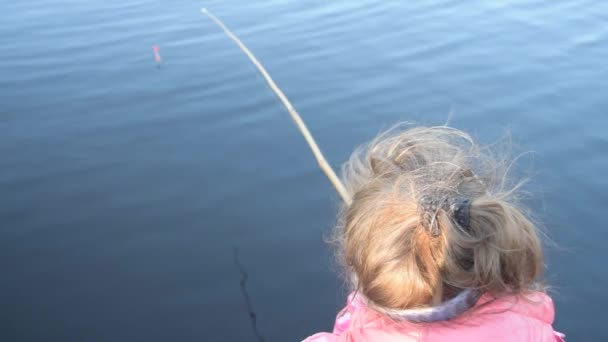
[[430, 218]]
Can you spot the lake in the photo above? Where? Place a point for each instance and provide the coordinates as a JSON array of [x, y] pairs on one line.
[[126, 187]]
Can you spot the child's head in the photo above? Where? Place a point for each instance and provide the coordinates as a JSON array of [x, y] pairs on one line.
[[429, 218]]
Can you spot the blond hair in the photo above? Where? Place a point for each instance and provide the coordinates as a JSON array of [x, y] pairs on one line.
[[389, 251]]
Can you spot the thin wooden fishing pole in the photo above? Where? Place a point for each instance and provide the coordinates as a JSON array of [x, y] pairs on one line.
[[323, 164]]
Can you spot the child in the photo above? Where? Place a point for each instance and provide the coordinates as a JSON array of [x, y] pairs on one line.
[[435, 247]]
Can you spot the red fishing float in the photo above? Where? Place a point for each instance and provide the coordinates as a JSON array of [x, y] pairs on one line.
[[156, 54]]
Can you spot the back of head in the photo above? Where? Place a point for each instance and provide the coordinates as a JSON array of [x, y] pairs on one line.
[[430, 218]]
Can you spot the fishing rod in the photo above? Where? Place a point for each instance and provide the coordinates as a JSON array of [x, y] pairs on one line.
[[323, 164]]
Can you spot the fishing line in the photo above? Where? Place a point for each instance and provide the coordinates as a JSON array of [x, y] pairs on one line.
[[250, 310]]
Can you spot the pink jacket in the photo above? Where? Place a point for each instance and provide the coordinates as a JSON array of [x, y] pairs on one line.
[[505, 319]]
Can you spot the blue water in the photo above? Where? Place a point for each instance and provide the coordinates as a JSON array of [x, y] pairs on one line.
[[125, 187]]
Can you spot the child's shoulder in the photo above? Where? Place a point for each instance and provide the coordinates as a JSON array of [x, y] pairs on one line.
[[534, 305], [526, 317], [521, 318]]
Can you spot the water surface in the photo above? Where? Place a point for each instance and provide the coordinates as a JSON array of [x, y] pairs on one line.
[[125, 187]]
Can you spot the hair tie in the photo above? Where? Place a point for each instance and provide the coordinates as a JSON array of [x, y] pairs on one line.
[[461, 210], [428, 207]]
